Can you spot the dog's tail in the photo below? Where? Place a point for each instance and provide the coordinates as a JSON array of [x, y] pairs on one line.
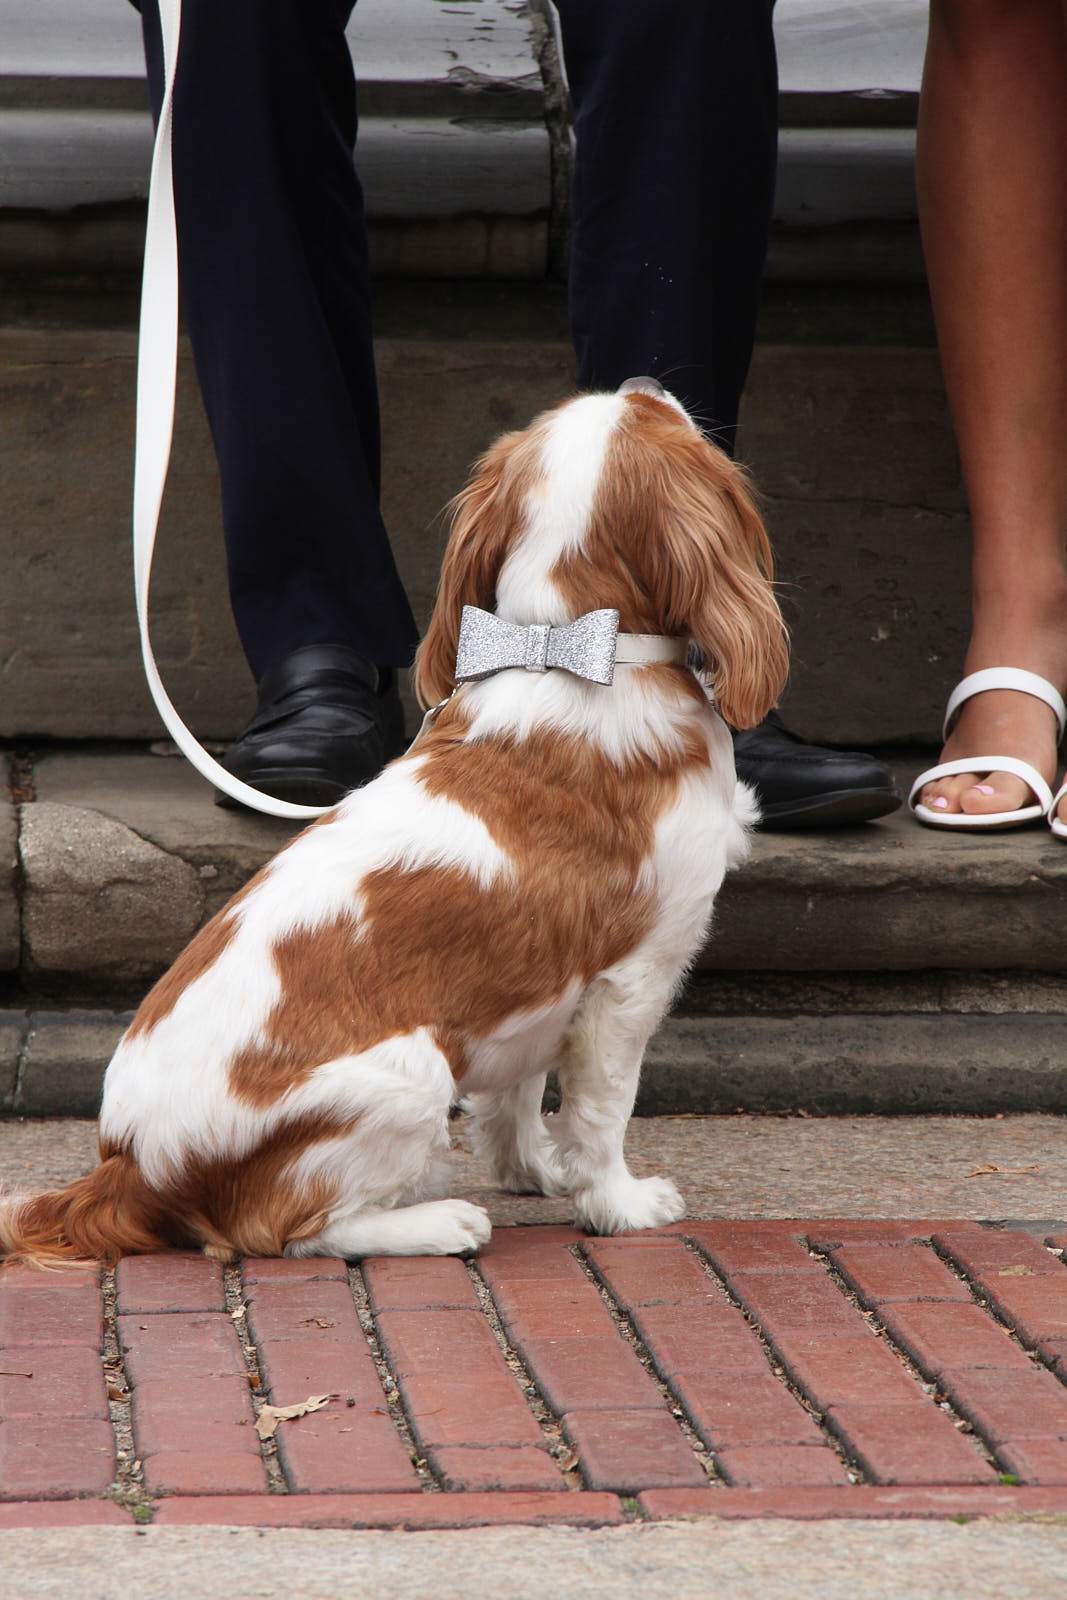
[[110, 1213]]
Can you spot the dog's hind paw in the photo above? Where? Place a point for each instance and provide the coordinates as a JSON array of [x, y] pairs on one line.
[[624, 1205]]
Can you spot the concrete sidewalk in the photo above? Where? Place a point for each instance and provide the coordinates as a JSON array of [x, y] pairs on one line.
[[752, 1561]]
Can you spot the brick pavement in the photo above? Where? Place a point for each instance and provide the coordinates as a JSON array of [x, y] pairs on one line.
[[728, 1369]]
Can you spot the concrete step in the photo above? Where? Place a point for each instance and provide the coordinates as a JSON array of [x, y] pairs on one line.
[[850, 444], [880, 969]]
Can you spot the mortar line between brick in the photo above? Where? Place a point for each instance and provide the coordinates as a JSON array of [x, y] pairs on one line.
[[233, 1285], [394, 1399], [983, 1302], [930, 1389], [542, 1412], [22, 1056], [776, 1365], [625, 1327], [129, 1489]]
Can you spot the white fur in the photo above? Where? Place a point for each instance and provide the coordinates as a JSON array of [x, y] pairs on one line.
[[167, 1094]]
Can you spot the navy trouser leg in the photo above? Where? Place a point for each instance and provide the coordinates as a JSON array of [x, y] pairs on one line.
[[675, 117], [276, 301]]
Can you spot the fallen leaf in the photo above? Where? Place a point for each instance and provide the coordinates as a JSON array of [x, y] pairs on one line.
[[990, 1170], [115, 1393], [318, 1322], [16, 1374], [1021, 1271], [238, 1313], [270, 1416]]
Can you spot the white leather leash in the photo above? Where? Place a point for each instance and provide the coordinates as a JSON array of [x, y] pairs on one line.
[[157, 358]]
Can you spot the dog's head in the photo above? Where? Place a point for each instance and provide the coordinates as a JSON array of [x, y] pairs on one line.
[[616, 500]]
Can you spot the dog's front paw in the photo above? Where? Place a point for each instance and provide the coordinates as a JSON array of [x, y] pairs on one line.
[[629, 1203], [457, 1228]]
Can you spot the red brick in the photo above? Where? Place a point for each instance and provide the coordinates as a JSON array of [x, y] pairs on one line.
[[1035, 1307], [831, 1233], [322, 1311], [192, 1431], [63, 1514], [581, 1509], [729, 1408], [543, 1265], [942, 1336], [341, 1449], [695, 1338], [882, 1274], [205, 1472], [521, 1241], [1036, 1460], [909, 1444], [294, 1368], [216, 1400], [457, 1343], [65, 1382], [846, 1370], [861, 1500], [600, 1374], [40, 1459], [74, 1279], [189, 1346], [631, 1450], [580, 1314], [489, 1410], [797, 1302], [62, 1314], [405, 1283], [300, 1269], [1054, 1351], [772, 1466], [651, 1274], [496, 1467], [181, 1280], [732, 1247], [1007, 1406], [998, 1250]]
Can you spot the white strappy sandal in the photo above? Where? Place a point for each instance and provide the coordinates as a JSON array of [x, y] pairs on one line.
[[978, 683], [1059, 828]]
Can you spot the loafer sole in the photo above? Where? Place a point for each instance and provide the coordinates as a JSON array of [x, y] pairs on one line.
[[840, 808]]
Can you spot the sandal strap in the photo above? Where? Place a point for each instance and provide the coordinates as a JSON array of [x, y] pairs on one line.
[[1005, 678], [1056, 798], [980, 764]]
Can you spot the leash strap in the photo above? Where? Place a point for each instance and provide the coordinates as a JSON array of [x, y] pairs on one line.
[[157, 360]]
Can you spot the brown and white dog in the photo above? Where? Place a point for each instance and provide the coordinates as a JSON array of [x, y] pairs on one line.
[[520, 893]]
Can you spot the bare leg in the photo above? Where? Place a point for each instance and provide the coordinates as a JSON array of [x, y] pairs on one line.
[[598, 1076], [992, 177]]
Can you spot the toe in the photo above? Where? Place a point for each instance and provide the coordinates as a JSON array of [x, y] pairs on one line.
[[946, 794], [996, 791]]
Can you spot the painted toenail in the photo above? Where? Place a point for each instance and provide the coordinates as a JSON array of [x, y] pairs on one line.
[[940, 804], [984, 788]]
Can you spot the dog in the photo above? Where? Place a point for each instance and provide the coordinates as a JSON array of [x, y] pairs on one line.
[[521, 893]]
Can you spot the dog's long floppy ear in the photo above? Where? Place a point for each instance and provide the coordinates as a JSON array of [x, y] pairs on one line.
[[484, 517], [715, 572]]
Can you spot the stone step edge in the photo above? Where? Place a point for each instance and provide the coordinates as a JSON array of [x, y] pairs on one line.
[[52, 1064]]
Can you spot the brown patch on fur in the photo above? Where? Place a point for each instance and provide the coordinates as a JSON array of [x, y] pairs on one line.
[[435, 949], [484, 519], [203, 950], [675, 544], [107, 1214], [229, 1206]]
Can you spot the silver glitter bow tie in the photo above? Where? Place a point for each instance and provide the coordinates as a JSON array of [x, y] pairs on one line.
[[488, 644]]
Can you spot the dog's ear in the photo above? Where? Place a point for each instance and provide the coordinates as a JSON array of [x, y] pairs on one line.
[[714, 572], [484, 518]]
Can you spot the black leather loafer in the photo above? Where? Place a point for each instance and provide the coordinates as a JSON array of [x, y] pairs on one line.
[[326, 722], [804, 786]]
